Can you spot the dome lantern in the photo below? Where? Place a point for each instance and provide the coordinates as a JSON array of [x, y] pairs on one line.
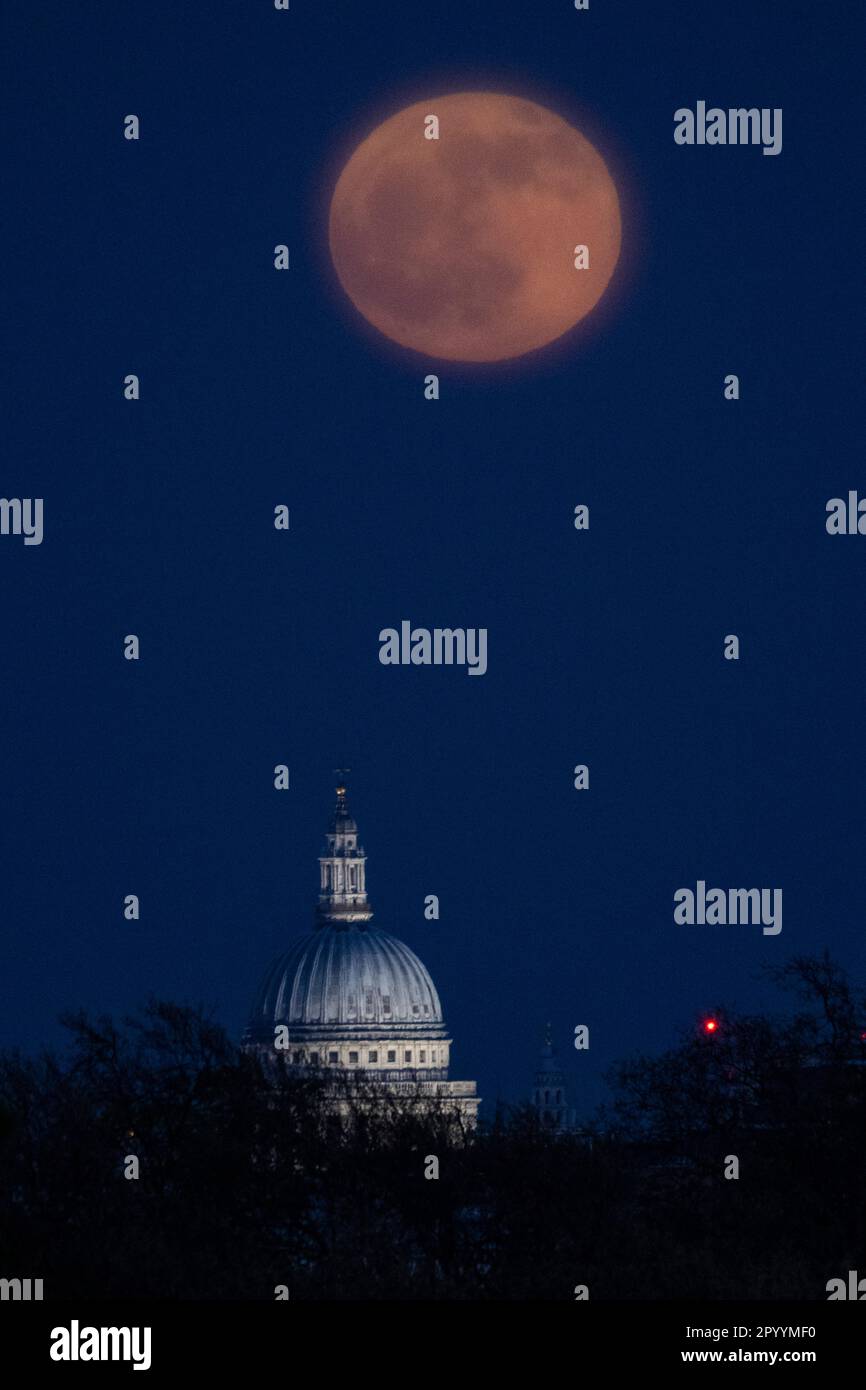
[[342, 870]]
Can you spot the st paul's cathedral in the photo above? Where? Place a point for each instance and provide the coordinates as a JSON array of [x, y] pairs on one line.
[[350, 1000]]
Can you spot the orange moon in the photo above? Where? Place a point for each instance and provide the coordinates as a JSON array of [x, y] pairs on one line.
[[463, 247]]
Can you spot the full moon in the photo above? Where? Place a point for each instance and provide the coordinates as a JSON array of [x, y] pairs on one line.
[[467, 246]]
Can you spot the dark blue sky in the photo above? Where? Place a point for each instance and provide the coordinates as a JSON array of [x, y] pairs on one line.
[[260, 647]]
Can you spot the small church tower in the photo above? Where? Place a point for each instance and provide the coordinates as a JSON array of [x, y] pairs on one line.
[[550, 1094]]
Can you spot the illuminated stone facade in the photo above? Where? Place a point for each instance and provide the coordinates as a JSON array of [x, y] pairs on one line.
[[350, 1000]]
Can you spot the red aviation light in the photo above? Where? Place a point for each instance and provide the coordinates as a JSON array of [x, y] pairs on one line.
[[711, 1025]]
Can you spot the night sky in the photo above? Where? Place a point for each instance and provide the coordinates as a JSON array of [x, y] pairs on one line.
[[261, 647]]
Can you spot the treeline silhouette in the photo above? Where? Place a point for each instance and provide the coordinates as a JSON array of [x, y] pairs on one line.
[[249, 1179]]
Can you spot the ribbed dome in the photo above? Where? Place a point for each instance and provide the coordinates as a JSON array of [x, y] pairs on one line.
[[351, 977]]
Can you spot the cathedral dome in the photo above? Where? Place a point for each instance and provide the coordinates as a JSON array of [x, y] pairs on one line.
[[353, 1004], [351, 977]]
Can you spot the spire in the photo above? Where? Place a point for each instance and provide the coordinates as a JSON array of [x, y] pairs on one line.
[[550, 1094], [342, 868]]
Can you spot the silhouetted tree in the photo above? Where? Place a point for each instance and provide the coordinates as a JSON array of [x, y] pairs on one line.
[[252, 1177]]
